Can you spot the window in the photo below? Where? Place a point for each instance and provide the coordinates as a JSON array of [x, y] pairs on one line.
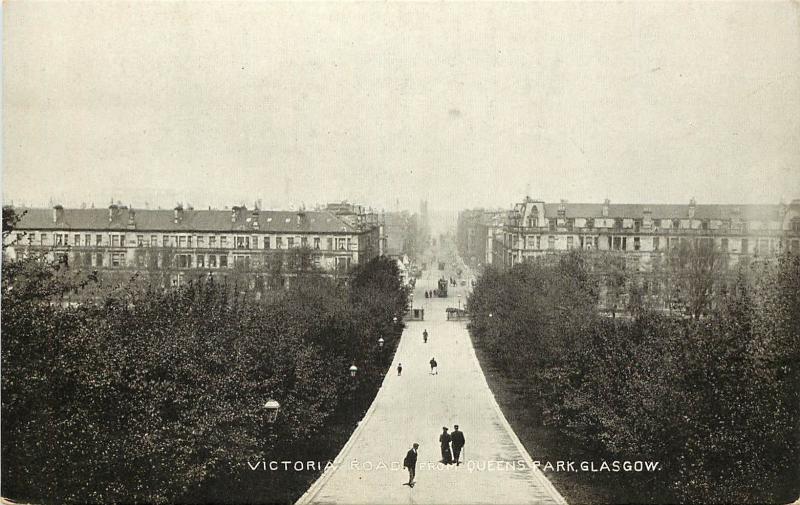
[[278, 242], [87, 260], [76, 239], [569, 242], [223, 261], [153, 240], [212, 241], [290, 242], [316, 242], [98, 260], [538, 241], [551, 242], [340, 244], [223, 242], [330, 243], [636, 244], [704, 224], [267, 242], [241, 261], [242, 243], [212, 261], [184, 260], [140, 259], [304, 242], [87, 239], [617, 243], [745, 246], [637, 225], [182, 241], [676, 223], [201, 261], [254, 241], [118, 259], [656, 243], [723, 244], [189, 241], [139, 240], [114, 243], [552, 224], [348, 243], [796, 225], [590, 222], [165, 241], [763, 246]]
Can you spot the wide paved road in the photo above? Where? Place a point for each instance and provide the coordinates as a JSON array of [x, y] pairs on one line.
[[414, 408]]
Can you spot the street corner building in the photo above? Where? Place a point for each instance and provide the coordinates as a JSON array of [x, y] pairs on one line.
[[639, 237], [177, 245]]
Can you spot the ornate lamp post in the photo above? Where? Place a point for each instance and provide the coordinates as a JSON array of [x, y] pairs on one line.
[[272, 407], [353, 370], [380, 343]]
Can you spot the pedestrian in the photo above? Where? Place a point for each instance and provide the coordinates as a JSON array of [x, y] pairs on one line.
[[457, 437], [444, 443], [410, 462], [426, 295], [434, 364], [399, 369], [425, 336]]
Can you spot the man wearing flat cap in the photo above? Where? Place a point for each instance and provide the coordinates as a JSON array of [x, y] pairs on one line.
[[457, 438]]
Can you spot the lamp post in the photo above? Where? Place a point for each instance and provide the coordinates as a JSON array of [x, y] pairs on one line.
[[353, 370], [380, 343], [272, 407], [459, 301]]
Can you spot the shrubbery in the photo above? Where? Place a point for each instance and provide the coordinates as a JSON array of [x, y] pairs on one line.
[[714, 399], [150, 395]]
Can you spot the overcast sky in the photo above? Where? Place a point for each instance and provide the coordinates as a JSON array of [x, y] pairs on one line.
[[463, 104]]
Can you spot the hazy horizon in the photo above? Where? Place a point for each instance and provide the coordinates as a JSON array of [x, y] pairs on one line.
[[385, 104]]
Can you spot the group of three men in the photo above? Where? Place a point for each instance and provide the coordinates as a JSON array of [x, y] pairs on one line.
[[448, 457]]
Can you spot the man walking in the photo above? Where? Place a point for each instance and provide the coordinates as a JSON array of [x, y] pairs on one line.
[[434, 364], [444, 443], [457, 437], [425, 336], [399, 369], [410, 462]]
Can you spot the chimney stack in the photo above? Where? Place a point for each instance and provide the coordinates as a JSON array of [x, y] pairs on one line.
[[178, 214], [58, 214], [692, 205], [606, 203]]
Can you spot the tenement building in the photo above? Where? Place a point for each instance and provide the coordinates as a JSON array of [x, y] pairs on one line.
[[184, 242], [642, 240]]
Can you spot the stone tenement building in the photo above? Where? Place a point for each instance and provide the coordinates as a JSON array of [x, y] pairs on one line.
[[636, 238], [184, 242]]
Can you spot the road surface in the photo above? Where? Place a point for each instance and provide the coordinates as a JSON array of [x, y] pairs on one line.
[[413, 408]]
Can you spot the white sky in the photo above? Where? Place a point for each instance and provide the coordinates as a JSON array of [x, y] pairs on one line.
[[463, 104]]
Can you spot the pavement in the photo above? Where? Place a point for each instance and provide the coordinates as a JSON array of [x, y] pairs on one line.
[[414, 407]]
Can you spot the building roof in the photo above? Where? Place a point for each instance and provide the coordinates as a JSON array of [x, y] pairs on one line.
[[666, 211], [238, 219]]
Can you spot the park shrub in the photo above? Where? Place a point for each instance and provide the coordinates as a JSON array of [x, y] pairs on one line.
[[714, 399]]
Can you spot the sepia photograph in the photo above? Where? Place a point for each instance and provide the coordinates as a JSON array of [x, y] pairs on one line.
[[379, 252]]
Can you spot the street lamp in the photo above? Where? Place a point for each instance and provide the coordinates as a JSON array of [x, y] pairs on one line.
[[380, 343], [272, 407], [353, 370], [490, 314], [394, 319]]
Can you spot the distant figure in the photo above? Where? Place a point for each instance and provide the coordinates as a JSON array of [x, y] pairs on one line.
[[399, 369], [434, 364], [457, 437], [426, 295], [410, 462], [425, 336], [444, 443]]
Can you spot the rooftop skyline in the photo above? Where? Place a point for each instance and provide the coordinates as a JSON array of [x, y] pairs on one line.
[[464, 105]]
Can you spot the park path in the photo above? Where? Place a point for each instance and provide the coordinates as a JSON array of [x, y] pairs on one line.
[[413, 408]]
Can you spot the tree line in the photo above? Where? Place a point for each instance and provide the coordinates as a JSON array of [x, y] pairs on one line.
[[152, 395], [714, 397]]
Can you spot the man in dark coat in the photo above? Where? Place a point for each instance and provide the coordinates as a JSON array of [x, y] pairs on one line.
[[444, 442], [434, 370], [457, 438], [410, 462], [425, 336]]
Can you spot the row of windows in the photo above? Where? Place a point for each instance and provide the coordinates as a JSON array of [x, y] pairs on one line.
[[637, 224], [625, 243], [119, 260], [200, 241]]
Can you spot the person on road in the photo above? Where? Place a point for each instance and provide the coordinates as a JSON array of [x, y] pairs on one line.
[[444, 442], [410, 462], [399, 369], [457, 437], [434, 364], [425, 336]]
